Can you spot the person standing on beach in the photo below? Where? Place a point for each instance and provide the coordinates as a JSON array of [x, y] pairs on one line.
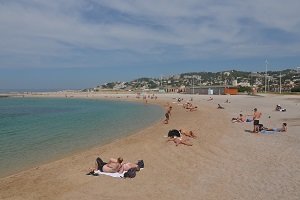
[[256, 117]]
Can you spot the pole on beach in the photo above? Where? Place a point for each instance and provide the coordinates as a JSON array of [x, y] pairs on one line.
[[280, 83], [193, 85], [266, 76]]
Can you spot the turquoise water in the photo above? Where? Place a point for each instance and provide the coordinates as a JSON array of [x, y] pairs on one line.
[[36, 130]]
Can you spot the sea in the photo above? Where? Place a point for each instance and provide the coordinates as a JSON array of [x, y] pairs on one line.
[[34, 131]]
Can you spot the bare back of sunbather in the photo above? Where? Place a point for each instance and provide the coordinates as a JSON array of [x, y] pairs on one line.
[[112, 166]]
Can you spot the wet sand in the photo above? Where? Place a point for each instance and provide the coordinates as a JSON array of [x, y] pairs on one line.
[[226, 161]]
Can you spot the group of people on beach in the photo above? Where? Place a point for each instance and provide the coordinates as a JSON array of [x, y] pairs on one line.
[[181, 136], [257, 126]]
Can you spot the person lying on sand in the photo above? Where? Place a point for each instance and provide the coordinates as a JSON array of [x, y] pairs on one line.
[[180, 140], [193, 108], [279, 108], [128, 165], [240, 118], [187, 133], [227, 101], [112, 166], [220, 107], [187, 105], [282, 129]]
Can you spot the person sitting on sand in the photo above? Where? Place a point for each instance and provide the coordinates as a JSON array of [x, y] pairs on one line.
[[282, 129], [187, 133], [220, 107], [210, 99], [112, 166], [180, 140], [241, 118]]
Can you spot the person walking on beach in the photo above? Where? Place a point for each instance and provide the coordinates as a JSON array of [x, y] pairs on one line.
[[256, 117], [167, 115]]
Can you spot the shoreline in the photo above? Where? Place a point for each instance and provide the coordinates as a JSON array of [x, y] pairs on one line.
[[225, 162]]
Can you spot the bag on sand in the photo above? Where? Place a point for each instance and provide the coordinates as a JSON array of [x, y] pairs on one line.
[[141, 164], [131, 173]]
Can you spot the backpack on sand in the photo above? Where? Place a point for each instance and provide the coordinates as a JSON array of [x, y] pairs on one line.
[[141, 164]]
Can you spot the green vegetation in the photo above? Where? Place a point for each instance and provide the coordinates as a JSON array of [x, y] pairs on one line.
[[296, 89], [244, 89]]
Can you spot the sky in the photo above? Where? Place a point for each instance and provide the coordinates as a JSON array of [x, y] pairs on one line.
[[75, 44]]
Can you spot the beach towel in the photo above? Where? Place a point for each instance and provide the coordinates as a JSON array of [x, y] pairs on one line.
[[267, 132], [115, 175]]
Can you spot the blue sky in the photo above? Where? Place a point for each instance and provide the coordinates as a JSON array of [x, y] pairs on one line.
[[84, 43]]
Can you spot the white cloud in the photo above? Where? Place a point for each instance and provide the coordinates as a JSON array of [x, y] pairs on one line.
[[189, 29]]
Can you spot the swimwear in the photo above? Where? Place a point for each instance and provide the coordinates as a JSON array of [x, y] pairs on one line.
[[167, 115], [100, 163], [256, 122]]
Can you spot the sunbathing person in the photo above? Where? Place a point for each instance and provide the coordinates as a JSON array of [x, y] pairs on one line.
[[187, 105], [113, 165], [193, 108], [241, 118], [180, 140], [282, 129], [279, 108], [220, 107], [127, 166], [187, 133]]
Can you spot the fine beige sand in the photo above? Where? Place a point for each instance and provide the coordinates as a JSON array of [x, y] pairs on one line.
[[226, 161]]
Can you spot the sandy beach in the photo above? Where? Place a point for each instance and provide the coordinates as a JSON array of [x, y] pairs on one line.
[[226, 161]]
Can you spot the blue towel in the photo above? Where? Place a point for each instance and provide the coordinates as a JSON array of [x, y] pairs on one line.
[[267, 132]]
